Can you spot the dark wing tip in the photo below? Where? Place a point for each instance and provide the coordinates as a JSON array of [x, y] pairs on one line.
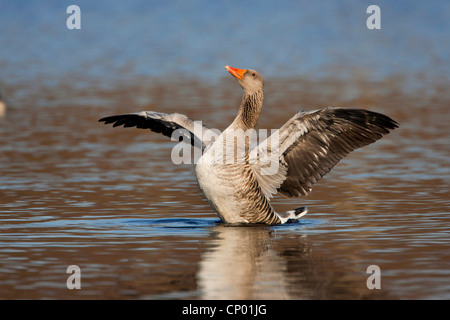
[[127, 120], [110, 119], [392, 124], [366, 119]]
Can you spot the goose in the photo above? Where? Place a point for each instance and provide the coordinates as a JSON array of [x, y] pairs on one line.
[[2, 106], [306, 148]]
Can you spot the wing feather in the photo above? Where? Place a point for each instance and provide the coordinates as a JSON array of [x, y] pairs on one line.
[[163, 123], [326, 137], [312, 143]]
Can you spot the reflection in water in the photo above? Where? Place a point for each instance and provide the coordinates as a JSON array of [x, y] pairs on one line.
[[242, 264], [252, 263]]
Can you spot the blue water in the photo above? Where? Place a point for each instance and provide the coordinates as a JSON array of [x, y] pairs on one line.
[[172, 39]]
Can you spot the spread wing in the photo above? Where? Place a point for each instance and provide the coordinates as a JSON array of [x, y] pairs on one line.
[[173, 125], [310, 144]]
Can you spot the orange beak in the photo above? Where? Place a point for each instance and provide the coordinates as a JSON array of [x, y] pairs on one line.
[[238, 73]]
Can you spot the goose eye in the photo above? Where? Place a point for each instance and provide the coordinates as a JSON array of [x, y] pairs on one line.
[[253, 74]]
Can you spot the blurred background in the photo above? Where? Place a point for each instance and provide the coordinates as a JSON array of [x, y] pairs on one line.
[[73, 191], [174, 38]]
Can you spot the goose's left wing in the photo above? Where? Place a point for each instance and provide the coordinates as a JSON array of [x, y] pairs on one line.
[[310, 144]]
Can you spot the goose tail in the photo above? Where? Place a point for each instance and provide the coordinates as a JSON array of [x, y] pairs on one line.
[[292, 214]]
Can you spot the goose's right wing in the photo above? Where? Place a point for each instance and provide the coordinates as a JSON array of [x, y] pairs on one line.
[[164, 123]]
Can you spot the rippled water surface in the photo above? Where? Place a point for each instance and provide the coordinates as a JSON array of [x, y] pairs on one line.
[[76, 192]]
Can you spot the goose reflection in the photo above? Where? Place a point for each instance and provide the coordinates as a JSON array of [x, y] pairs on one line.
[[248, 263], [242, 264]]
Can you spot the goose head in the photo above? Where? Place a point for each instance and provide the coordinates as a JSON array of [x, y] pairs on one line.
[[250, 80]]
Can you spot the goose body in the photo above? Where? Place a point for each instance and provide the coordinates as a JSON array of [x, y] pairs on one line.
[[232, 188], [231, 172]]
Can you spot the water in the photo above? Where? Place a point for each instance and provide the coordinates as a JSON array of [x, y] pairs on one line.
[[76, 192]]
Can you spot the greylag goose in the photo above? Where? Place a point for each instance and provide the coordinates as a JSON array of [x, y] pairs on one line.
[[307, 147], [2, 106]]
